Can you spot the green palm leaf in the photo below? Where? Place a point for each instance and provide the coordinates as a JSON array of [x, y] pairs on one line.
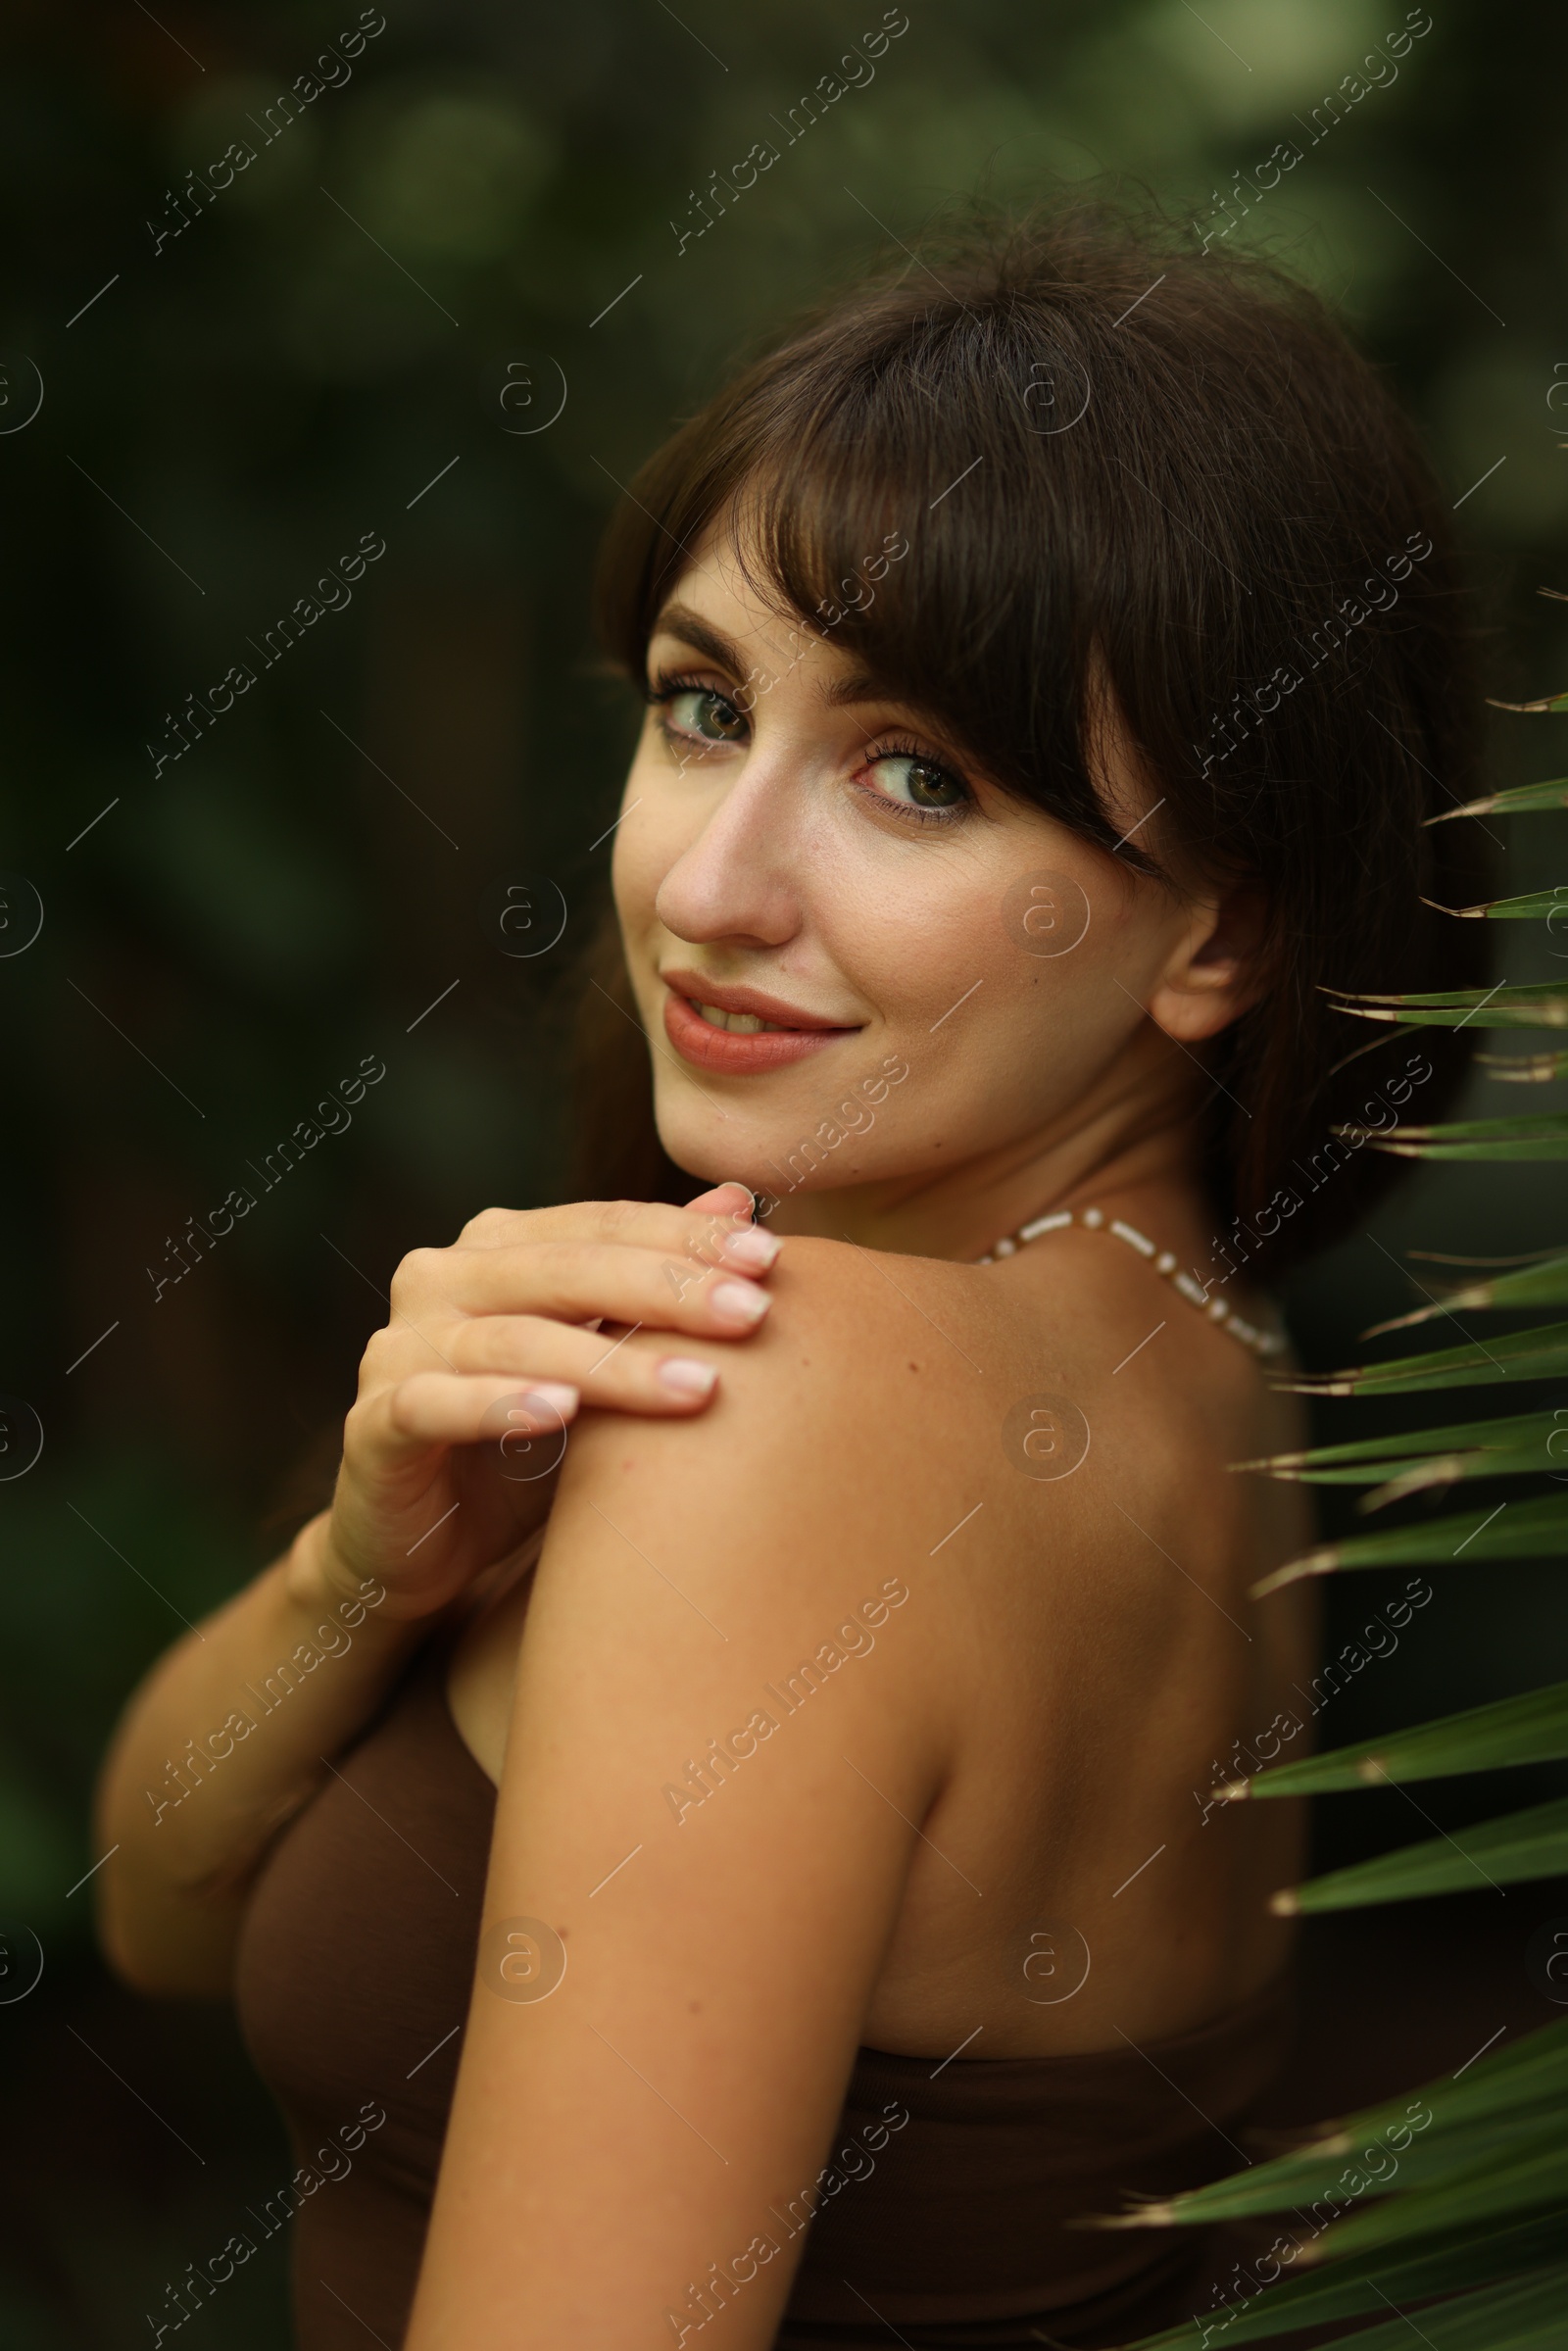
[[1502, 1852], [1462, 2206], [1367, 1458], [1540, 1006], [1530, 1728], [1519, 799], [1543, 1136], [1538, 2175], [1438, 2265], [1533, 1530], [1521, 2315], [1524, 1069], [1538, 1354], [1531, 907], [1545, 1283], [1511, 2089]]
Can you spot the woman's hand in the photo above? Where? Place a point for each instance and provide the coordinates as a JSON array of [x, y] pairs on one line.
[[451, 1449]]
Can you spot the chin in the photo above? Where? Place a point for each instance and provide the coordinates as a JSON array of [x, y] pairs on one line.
[[712, 1151], [818, 1145]]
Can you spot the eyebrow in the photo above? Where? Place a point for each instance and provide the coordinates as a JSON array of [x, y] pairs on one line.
[[679, 620]]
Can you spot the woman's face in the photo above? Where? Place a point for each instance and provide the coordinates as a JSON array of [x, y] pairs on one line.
[[857, 961]]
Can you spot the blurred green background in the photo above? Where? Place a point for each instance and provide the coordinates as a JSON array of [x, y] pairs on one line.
[[371, 331]]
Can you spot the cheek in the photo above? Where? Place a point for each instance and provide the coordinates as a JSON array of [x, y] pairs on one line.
[[947, 942], [643, 853], [1008, 1014]]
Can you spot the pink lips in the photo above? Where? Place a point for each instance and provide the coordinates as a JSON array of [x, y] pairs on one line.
[[798, 1035]]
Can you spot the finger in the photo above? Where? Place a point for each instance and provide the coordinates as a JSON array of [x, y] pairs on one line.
[[395, 1439], [728, 1199], [635, 1373], [570, 1282], [745, 1244], [716, 1228], [437, 1407]]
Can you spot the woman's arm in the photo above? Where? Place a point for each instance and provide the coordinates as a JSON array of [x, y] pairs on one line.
[[731, 1713], [224, 1739], [232, 1730]]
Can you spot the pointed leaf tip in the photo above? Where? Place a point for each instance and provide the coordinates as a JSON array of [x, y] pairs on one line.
[[1315, 1563]]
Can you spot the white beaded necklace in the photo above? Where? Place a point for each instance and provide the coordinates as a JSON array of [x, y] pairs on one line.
[[1262, 1343]]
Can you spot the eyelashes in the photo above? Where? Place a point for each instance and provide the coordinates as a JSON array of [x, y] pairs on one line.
[[898, 746], [666, 686]]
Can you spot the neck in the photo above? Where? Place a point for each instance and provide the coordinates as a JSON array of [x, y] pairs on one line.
[[1131, 1147]]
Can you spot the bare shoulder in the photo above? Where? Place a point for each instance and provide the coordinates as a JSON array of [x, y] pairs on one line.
[[885, 1387], [869, 1364], [842, 1446], [897, 1411]]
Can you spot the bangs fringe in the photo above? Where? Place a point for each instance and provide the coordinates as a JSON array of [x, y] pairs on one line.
[[1129, 479]]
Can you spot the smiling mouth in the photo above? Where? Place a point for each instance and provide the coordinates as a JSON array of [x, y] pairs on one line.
[[738, 1024], [758, 1034]]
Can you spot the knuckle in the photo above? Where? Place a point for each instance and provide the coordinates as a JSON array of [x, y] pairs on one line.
[[497, 1341], [357, 1426], [491, 1227], [376, 1365], [477, 1345], [416, 1275], [616, 1216]]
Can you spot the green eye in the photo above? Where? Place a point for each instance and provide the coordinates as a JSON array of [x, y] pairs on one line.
[[918, 783], [700, 712]]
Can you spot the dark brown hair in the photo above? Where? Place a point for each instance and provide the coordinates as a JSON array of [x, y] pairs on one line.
[[1120, 462]]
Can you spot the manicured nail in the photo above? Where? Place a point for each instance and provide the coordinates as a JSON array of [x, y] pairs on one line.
[[683, 1375], [546, 1401], [752, 1248], [737, 1303]]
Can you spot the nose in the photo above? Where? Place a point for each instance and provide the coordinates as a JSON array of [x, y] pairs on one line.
[[738, 879]]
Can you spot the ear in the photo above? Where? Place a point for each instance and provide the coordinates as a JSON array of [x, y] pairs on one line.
[[1212, 974]]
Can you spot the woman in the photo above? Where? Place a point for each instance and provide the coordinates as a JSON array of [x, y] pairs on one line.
[[774, 1896]]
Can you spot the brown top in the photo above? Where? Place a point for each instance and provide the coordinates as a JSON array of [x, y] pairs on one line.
[[942, 2205]]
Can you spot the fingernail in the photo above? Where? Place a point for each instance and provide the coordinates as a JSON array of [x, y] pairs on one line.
[[739, 1303], [752, 1247], [683, 1375], [550, 1399]]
